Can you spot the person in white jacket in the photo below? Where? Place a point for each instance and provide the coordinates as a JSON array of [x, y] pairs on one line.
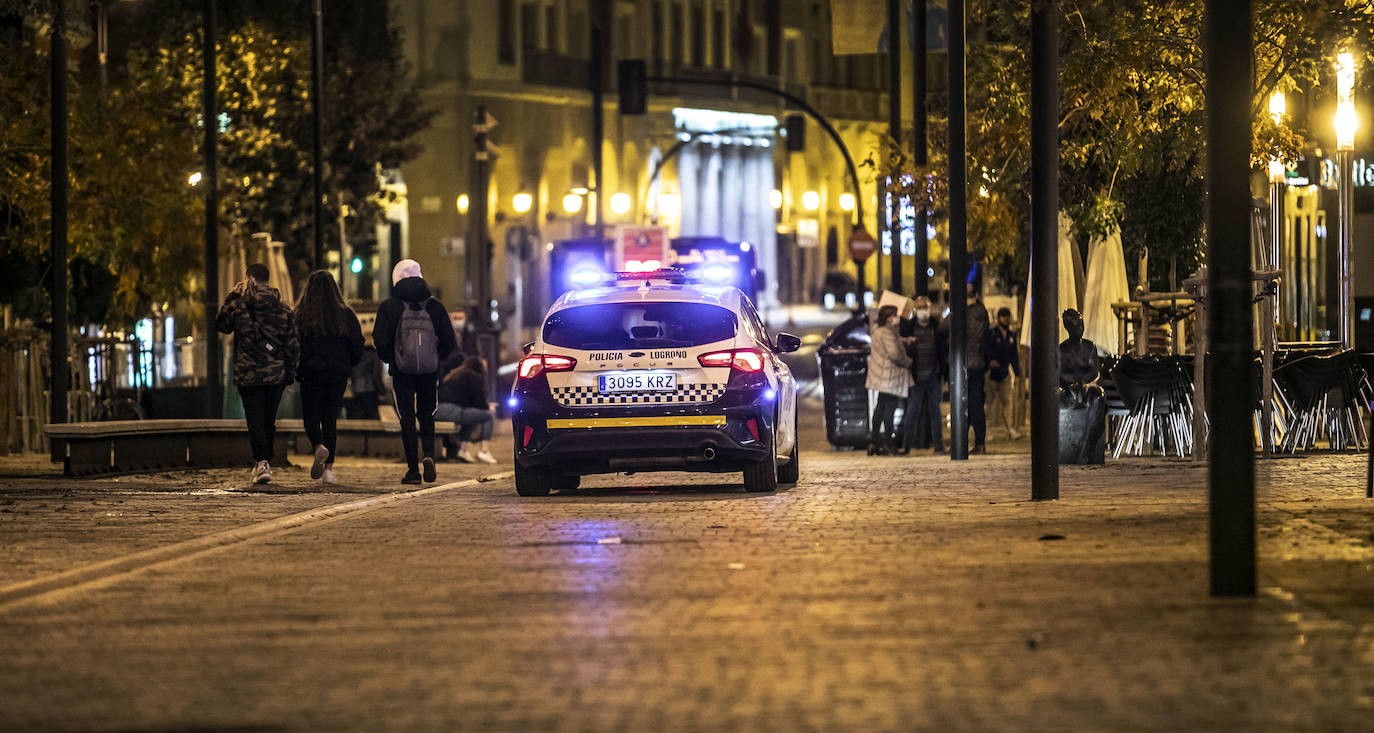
[[889, 376]]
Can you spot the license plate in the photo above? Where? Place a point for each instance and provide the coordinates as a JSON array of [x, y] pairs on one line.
[[618, 382]]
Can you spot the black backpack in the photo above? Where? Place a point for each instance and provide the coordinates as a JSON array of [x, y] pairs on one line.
[[417, 345]]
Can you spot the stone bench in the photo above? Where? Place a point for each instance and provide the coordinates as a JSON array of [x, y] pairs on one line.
[[123, 446]]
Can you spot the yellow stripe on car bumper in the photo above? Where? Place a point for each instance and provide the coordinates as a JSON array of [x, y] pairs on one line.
[[637, 422]]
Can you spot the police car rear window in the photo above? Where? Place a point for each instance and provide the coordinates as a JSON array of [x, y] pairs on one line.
[[639, 325]]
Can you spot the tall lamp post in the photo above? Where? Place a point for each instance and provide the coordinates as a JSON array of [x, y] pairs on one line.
[[1346, 124]]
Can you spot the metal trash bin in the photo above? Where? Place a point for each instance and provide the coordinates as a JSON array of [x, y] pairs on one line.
[[844, 369]]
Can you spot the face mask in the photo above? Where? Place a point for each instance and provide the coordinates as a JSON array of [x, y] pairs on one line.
[[923, 315]]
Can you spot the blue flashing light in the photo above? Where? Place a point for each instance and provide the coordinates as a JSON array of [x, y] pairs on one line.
[[512, 402], [718, 273], [769, 394], [586, 277], [356, 266]]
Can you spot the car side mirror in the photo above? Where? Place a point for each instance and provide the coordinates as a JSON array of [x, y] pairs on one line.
[[787, 343], [527, 348]]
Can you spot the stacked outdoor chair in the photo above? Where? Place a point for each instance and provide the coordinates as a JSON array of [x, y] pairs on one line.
[[1157, 395], [1324, 396]]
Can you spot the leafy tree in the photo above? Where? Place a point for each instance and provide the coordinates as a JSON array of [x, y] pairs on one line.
[[1132, 117], [371, 112], [131, 218], [134, 222]]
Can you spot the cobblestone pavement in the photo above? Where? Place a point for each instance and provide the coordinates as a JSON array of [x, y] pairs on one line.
[[877, 594]]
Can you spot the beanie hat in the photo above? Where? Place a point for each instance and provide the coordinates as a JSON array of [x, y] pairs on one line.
[[404, 269]]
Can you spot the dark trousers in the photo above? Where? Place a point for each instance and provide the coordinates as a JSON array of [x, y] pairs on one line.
[[260, 403], [321, 397], [977, 399], [881, 427], [923, 403], [416, 397]]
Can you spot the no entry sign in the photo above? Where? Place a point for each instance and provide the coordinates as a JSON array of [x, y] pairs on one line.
[[861, 245]]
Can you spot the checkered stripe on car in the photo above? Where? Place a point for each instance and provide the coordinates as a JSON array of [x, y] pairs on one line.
[[587, 396]]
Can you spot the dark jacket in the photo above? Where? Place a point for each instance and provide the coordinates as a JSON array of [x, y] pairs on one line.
[[258, 319], [465, 387], [976, 328], [332, 354], [1001, 347], [927, 352], [410, 292]]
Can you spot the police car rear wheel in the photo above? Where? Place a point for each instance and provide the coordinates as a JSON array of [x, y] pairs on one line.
[[763, 476], [532, 481]]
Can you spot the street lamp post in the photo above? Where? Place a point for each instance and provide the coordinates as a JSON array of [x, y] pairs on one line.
[[214, 399], [1269, 324], [57, 405], [316, 119], [1346, 123]]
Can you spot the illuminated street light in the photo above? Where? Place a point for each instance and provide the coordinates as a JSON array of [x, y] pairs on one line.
[[522, 202], [620, 203], [811, 201], [846, 201], [775, 198], [1346, 124], [193, 179], [1346, 121], [572, 203], [462, 203]]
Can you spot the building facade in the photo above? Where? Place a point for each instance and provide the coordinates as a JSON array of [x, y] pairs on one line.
[[722, 164]]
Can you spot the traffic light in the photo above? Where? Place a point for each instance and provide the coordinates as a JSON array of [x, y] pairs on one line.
[[634, 92], [796, 133]]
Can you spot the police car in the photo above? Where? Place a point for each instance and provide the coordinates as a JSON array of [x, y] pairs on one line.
[[654, 372]]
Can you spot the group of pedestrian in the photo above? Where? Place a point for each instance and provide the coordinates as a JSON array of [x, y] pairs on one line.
[[320, 344], [909, 362]]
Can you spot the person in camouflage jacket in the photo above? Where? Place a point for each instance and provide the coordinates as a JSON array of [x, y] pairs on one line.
[[266, 349]]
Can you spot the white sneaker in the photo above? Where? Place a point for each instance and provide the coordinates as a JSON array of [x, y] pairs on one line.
[[486, 457], [321, 455], [328, 476], [262, 473], [465, 456]]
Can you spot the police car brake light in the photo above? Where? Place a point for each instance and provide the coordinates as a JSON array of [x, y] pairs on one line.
[[536, 364], [744, 360]]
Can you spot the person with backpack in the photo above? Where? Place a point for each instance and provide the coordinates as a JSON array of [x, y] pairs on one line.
[[266, 351], [331, 344], [413, 334]]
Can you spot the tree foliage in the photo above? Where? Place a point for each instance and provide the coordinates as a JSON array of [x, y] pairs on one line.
[[132, 233], [371, 111], [1132, 116], [134, 222]]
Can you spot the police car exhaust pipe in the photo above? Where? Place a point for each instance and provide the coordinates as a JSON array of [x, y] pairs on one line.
[[709, 453]]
